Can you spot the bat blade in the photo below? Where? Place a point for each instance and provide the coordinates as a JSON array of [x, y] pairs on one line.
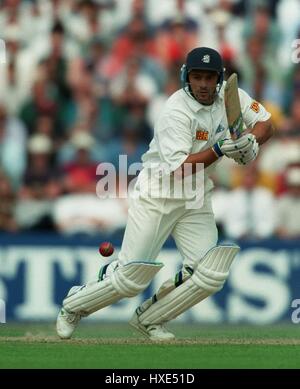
[[233, 107]]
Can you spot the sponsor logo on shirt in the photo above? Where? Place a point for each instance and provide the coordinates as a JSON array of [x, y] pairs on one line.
[[255, 106], [201, 135], [220, 128]]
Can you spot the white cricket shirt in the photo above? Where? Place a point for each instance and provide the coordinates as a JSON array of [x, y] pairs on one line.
[[186, 127]]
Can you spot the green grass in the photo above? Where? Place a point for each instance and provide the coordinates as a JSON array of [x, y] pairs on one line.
[[117, 346]]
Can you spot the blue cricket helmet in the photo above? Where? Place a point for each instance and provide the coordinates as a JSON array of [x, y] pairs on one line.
[[202, 58]]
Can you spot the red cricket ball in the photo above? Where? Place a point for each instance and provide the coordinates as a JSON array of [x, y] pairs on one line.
[[106, 249]]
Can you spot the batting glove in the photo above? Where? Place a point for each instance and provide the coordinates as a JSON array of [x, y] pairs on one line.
[[240, 149], [248, 156]]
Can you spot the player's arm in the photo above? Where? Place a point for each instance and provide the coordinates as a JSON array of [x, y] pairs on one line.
[[175, 141], [223, 147], [259, 125], [260, 132], [263, 131], [256, 118], [206, 157]]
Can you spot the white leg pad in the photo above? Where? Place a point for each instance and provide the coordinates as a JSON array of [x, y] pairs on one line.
[[208, 278], [126, 281]]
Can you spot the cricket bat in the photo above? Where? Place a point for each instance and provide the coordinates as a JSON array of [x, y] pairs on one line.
[[233, 107]]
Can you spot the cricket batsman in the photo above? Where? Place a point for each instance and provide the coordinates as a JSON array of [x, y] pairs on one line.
[[191, 131]]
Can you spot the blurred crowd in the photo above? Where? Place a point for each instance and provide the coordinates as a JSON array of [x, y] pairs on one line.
[[84, 81]]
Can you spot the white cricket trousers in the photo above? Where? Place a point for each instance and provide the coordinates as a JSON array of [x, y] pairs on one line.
[[152, 220]]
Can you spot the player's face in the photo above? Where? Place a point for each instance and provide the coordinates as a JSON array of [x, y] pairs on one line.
[[203, 84]]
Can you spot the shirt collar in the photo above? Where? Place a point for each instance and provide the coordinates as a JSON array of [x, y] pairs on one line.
[[195, 106]]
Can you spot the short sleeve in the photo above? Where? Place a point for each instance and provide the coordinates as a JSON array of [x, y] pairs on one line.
[[174, 139], [252, 110]]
